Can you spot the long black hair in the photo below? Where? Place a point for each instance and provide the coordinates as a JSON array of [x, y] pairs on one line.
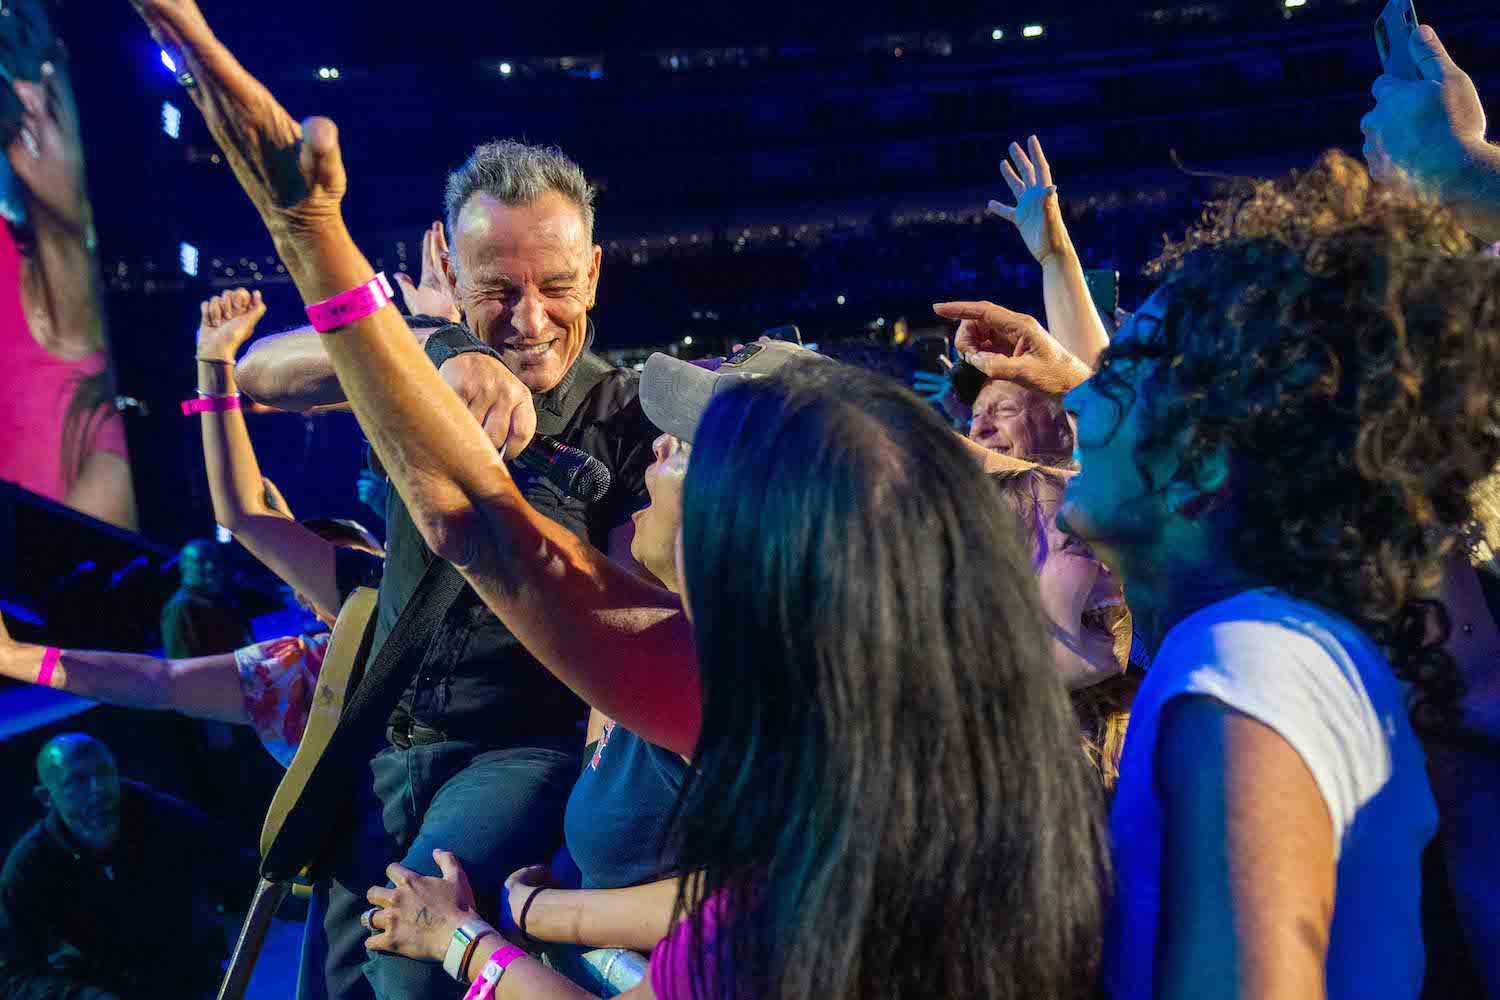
[[888, 796]]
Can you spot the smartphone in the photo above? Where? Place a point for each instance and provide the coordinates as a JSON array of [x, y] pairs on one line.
[[1395, 23], [967, 381], [1104, 289]]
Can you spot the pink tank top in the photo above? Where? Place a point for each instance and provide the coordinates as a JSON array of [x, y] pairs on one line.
[[35, 389]]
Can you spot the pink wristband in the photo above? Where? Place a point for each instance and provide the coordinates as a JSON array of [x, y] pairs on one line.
[[355, 304], [209, 404], [49, 663], [483, 986]]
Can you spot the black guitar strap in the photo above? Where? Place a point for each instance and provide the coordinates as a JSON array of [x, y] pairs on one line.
[[312, 825]]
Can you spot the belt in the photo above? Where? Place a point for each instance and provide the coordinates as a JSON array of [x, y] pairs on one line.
[[407, 734]]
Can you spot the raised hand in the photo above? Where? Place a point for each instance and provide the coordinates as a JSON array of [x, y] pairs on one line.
[[434, 295], [1036, 212], [293, 173], [228, 320], [1013, 346], [1424, 130]]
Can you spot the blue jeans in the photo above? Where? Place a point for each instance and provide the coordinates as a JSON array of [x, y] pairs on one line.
[[498, 810]]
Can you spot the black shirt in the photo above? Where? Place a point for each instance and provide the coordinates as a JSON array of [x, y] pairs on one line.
[[477, 682], [139, 923], [198, 625]]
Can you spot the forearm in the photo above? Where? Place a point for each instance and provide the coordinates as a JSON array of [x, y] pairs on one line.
[[1071, 315], [295, 554], [525, 978], [636, 917], [290, 371], [234, 479], [205, 687], [624, 645], [1473, 192]]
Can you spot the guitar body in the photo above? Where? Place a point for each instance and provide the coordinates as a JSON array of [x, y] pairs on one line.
[[342, 667], [340, 674]]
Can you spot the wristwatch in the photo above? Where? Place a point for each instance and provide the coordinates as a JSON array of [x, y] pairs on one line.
[[453, 340], [462, 945]]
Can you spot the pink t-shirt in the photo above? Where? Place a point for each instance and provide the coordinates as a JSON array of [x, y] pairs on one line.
[[672, 958], [35, 389]]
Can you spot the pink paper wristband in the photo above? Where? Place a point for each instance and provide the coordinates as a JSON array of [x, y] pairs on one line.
[[355, 304], [209, 404], [49, 663], [483, 986]]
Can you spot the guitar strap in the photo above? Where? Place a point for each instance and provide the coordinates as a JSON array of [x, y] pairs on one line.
[[311, 826]]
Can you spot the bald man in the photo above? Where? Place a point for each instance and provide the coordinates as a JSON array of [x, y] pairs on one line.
[[113, 893]]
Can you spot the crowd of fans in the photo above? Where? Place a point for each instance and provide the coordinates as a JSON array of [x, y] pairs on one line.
[[1160, 682]]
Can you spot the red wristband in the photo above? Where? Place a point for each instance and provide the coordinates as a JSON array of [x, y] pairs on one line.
[[355, 304], [49, 663], [209, 404]]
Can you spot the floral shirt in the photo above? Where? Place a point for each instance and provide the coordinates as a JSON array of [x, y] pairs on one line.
[[277, 678]]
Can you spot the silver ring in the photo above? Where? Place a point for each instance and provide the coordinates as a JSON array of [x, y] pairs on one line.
[[187, 79], [367, 919]]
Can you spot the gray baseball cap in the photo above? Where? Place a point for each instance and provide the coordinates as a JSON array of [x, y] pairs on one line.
[[674, 393]]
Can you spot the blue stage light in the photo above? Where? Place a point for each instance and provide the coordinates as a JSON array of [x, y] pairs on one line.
[[187, 255], [171, 119], [168, 61]]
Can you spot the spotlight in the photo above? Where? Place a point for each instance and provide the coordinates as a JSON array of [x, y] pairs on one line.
[[506, 69], [171, 119], [334, 72], [1032, 31], [840, 300], [324, 73], [997, 34], [187, 255], [688, 341], [168, 61], [1295, 3]]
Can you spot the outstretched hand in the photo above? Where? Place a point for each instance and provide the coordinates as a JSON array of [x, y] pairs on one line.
[[1013, 346], [1424, 130], [293, 173], [434, 295], [1036, 212], [416, 917], [228, 320]]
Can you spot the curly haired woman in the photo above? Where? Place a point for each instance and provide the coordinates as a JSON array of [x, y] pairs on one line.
[[1278, 452]]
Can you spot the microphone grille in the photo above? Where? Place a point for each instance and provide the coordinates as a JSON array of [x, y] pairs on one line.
[[592, 481]]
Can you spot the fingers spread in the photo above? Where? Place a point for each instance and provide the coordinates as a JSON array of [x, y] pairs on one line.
[[1003, 210]]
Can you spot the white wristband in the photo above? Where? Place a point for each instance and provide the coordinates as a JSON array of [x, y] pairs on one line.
[[464, 935]]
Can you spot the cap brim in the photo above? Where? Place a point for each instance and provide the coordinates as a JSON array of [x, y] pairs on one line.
[[674, 394]]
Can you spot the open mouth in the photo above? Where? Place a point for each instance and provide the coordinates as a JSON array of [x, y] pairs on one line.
[[1102, 615]]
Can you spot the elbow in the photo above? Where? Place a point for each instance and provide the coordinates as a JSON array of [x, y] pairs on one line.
[[252, 377], [452, 531]]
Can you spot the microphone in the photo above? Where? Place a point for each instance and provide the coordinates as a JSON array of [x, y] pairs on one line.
[[578, 475]]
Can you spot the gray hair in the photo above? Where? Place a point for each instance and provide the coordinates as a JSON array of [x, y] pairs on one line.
[[518, 174]]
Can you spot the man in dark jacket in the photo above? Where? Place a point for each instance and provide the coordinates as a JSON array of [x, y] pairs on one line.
[[113, 895]]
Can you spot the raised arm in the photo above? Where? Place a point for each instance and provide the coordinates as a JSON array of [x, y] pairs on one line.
[[624, 645], [1071, 315], [205, 687], [1431, 133], [292, 371], [302, 559]]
